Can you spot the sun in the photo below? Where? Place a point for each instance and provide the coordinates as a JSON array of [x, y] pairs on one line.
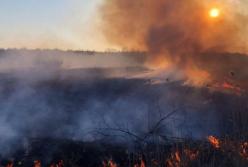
[[214, 12]]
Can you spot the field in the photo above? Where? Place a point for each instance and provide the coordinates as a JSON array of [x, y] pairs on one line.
[[114, 116]]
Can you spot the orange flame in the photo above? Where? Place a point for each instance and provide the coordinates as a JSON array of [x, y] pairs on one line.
[[197, 77], [37, 163], [214, 141], [177, 157], [174, 160]]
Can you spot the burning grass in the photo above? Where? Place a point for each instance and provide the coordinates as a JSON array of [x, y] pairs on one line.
[[214, 141], [155, 149], [181, 153]]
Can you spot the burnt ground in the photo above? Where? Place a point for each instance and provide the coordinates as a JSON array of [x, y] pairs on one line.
[[92, 154], [86, 121]]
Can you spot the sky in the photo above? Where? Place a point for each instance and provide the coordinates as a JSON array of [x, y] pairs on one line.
[[60, 24]]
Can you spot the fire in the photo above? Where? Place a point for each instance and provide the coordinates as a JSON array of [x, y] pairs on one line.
[[177, 156], [227, 85], [174, 160], [244, 150], [159, 62], [214, 141], [191, 154], [112, 164], [109, 163], [214, 12], [142, 164], [10, 164], [37, 163], [197, 77]]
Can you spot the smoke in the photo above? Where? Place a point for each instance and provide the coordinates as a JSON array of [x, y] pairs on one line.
[[43, 92], [87, 110], [180, 33], [50, 94], [24, 59]]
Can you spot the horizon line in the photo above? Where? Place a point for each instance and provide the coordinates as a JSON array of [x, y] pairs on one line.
[[110, 50]]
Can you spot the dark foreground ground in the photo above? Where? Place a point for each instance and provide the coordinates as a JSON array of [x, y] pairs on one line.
[[51, 152]]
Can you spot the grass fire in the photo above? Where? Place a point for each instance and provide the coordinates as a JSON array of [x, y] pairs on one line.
[[124, 83]]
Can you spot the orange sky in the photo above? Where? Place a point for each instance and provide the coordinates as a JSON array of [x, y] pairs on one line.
[[63, 24]]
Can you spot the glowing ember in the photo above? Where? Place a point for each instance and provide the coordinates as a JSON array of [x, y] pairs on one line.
[[214, 141]]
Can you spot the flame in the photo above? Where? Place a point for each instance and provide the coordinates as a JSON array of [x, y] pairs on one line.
[[142, 164], [197, 77], [37, 163], [112, 163], [175, 42], [244, 150], [214, 141], [227, 85], [177, 156], [174, 160], [109, 163]]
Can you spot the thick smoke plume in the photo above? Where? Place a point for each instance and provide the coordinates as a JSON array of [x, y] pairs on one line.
[[182, 33], [68, 95]]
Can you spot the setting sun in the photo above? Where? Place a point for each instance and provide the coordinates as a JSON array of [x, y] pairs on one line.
[[214, 12]]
